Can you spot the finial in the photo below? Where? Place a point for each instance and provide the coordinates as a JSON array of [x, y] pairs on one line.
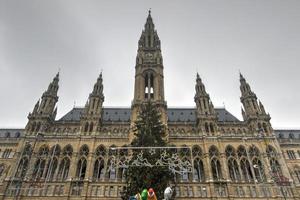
[[241, 75], [74, 104], [149, 11]]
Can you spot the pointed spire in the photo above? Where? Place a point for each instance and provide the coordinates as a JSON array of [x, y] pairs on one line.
[[53, 86], [149, 23], [241, 77], [98, 87], [200, 88], [245, 87], [149, 37]]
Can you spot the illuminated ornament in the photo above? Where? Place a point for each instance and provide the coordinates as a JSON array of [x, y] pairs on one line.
[[151, 194], [168, 193], [144, 195], [138, 196]]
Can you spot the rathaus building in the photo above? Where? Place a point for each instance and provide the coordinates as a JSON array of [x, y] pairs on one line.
[[70, 158]]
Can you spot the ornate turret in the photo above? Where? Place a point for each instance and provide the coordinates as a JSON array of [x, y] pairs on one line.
[[92, 115], [149, 76], [206, 115], [44, 113], [254, 112]]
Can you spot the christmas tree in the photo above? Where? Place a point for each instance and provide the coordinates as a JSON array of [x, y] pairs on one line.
[[149, 132]]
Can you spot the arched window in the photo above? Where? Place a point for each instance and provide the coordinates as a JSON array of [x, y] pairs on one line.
[[246, 169], [258, 170], [185, 151], [53, 162], [198, 170], [216, 169], [242, 151], [68, 150], [253, 151], [84, 150], [275, 168], [233, 167], [22, 168], [213, 151], [38, 169], [64, 168], [99, 163], [98, 169], [52, 168], [215, 163], [81, 168], [111, 169], [196, 150], [82, 163], [149, 85]]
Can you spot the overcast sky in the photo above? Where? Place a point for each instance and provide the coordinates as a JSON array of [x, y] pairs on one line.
[[216, 38]]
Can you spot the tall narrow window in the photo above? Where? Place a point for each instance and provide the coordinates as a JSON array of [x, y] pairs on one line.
[[149, 85], [81, 169]]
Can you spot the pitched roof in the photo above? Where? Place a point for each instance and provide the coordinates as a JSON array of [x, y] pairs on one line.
[[174, 115], [11, 133]]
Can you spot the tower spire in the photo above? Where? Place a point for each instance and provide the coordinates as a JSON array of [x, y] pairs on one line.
[[149, 75], [254, 112], [91, 118], [44, 113], [206, 115]]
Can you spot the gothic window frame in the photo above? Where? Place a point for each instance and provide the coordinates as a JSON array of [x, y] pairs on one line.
[[64, 168], [215, 163], [81, 168], [232, 164], [199, 174], [99, 164]]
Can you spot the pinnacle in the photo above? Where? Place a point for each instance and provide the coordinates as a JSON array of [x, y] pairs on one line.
[[241, 76]]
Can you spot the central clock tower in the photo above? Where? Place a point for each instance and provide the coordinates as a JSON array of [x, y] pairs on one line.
[[149, 78]]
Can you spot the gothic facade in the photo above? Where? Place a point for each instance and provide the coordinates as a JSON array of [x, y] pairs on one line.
[[71, 157]]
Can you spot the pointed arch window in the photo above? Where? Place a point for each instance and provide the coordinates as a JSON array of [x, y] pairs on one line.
[[149, 85], [22, 168], [39, 168], [111, 170], [215, 163], [81, 168], [258, 170], [53, 162], [64, 168], [198, 170], [246, 169], [216, 169], [98, 169]]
